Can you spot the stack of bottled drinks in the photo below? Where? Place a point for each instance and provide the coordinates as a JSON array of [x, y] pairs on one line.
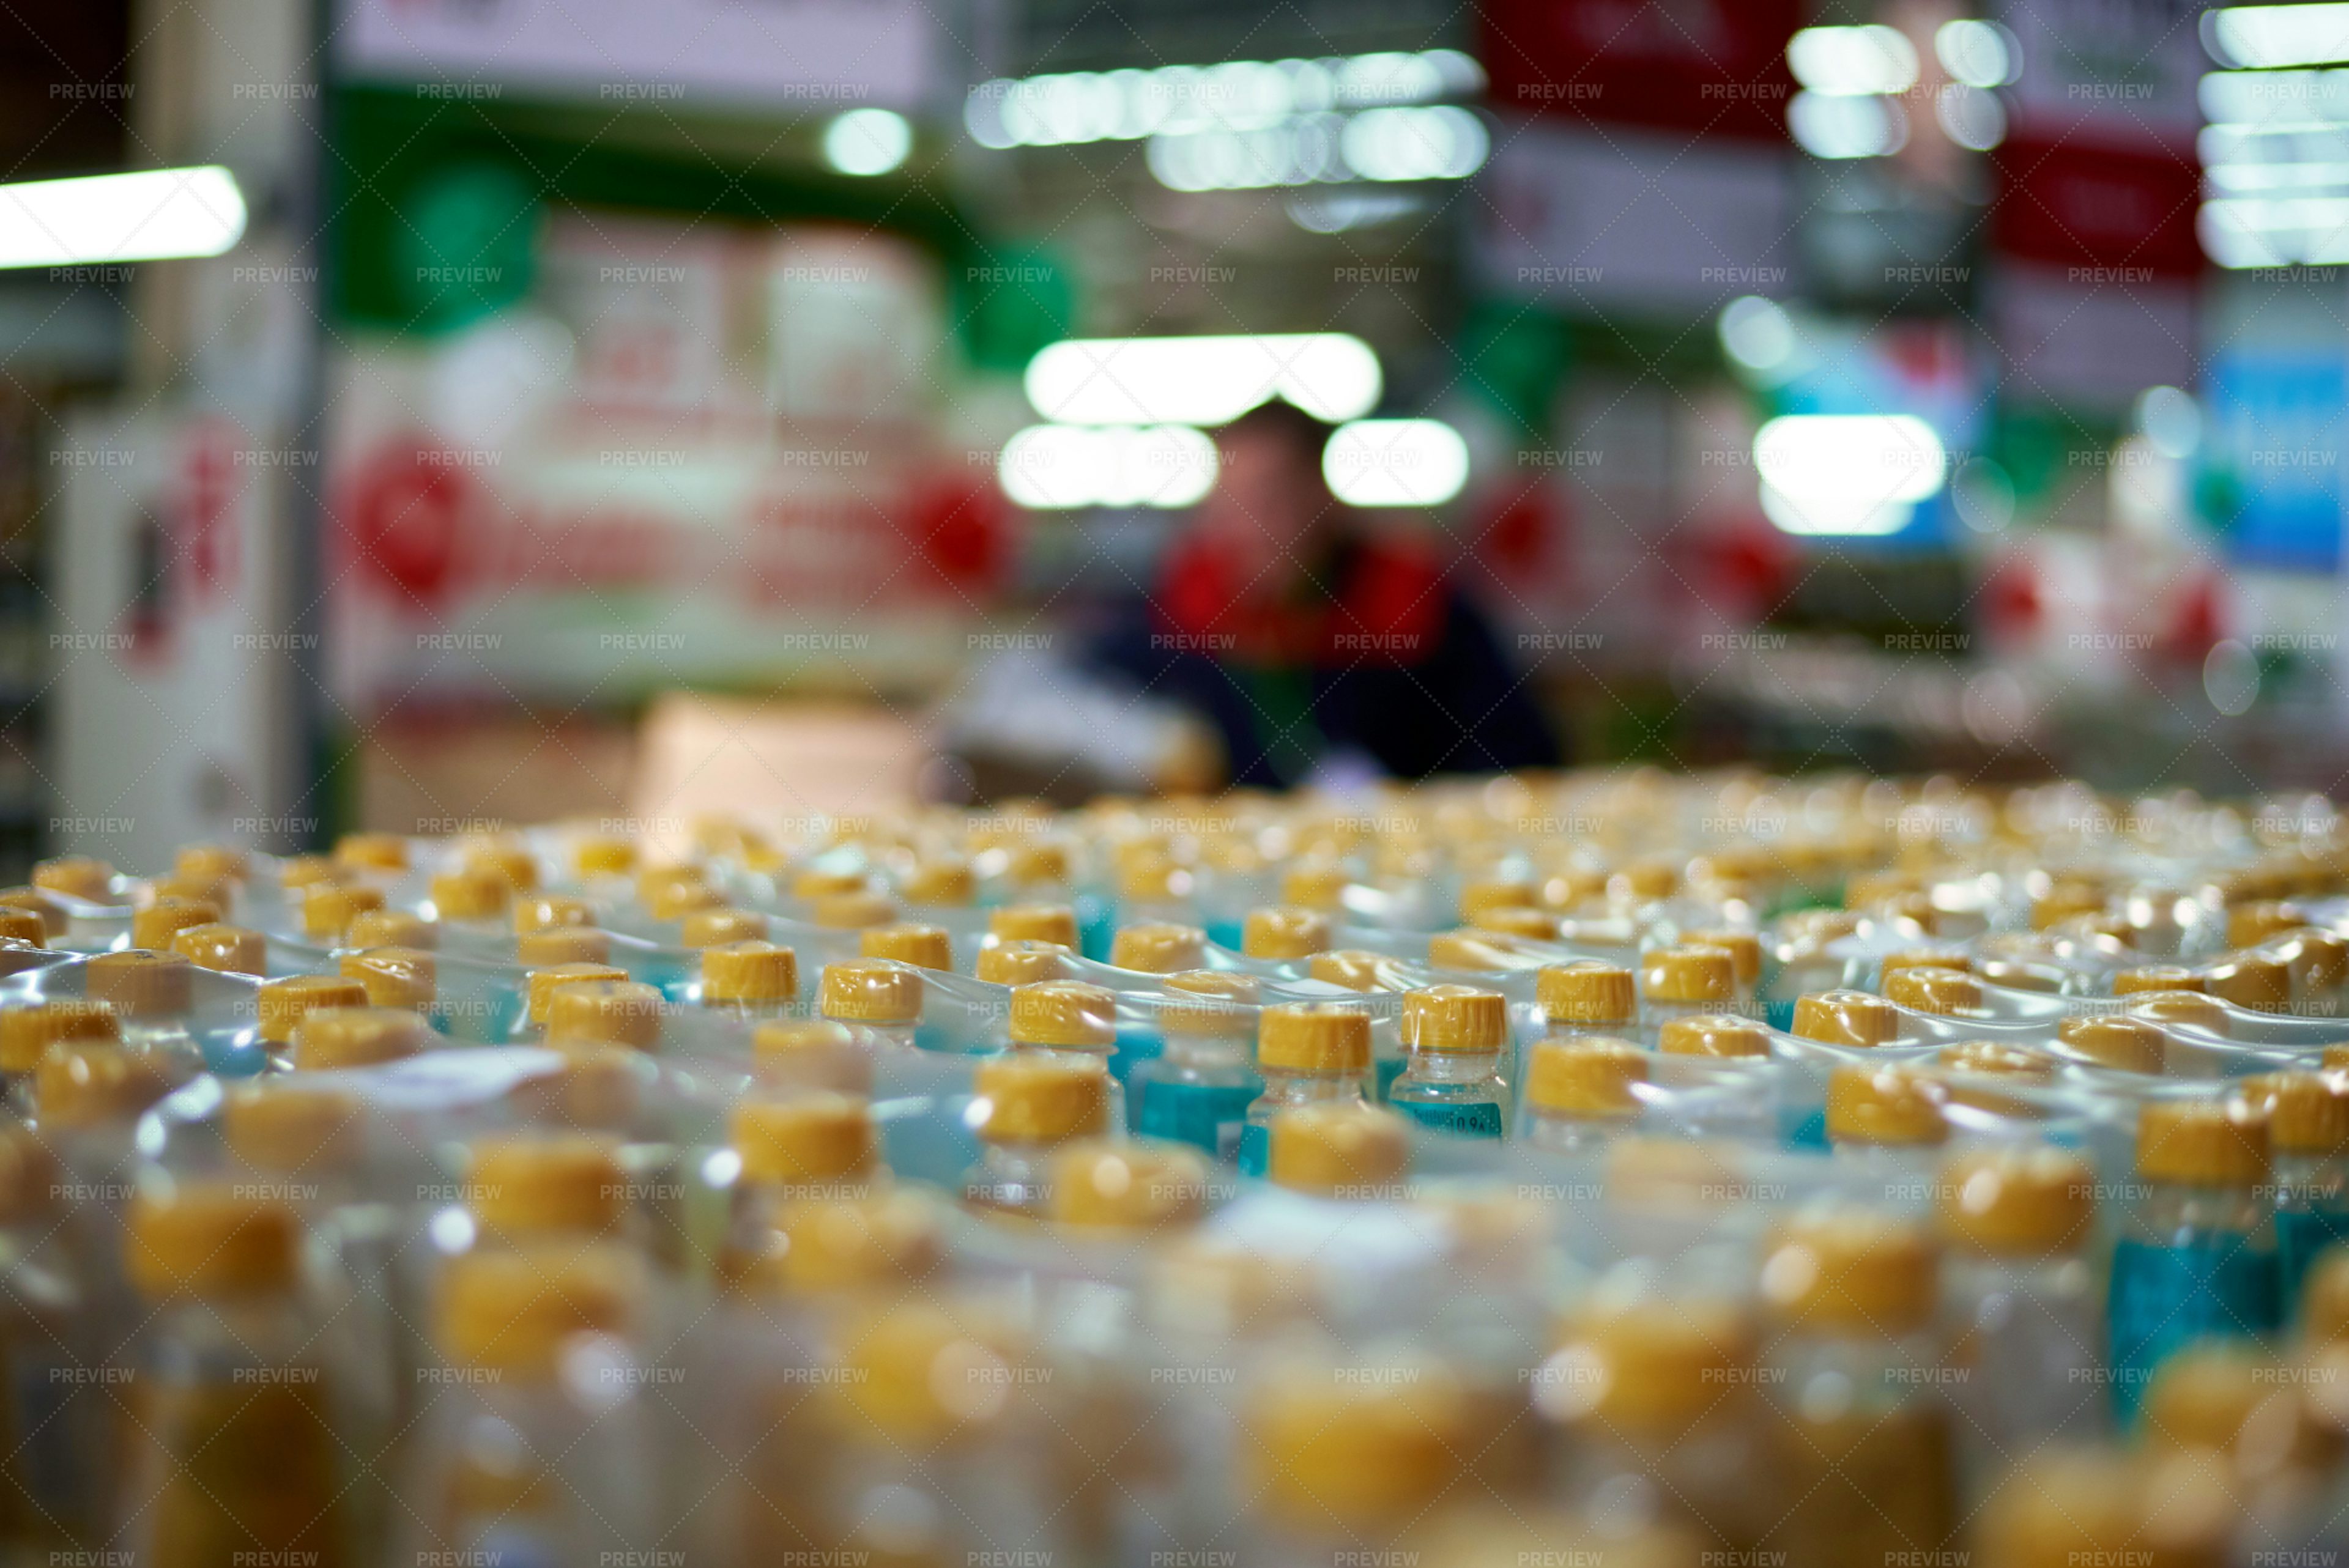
[[1571, 1170]]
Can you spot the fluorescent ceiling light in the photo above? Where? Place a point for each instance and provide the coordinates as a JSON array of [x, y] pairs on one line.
[[1831, 127], [867, 141], [1078, 107], [2275, 231], [1979, 54], [1395, 462], [1757, 333], [2274, 97], [1381, 144], [1202, 380], [1051, 468], [150, 216], [1842, 62], [2262, 37], [1847, 473]]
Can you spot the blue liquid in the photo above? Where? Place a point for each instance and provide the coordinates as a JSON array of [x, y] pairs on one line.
[[1457, 1120], [2300, 1237], [1779, 1015], [1388, 1069], [1133, 1047], [1208, 1116], [1256, 1149], [2163, 1297], [1096, 927], [1806, 1130]]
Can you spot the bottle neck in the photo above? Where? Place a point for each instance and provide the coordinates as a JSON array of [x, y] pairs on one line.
[[1455, 1066], [1303, 1088]]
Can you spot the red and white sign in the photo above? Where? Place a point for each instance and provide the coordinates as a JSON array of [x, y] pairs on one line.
[[1716, 67]]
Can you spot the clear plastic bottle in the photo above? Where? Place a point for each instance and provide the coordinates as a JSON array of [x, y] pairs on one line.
[[1198, 1090], [1457, 1036], [2075, 1508], [1657, 1405], [1684, 983], [238, 1455], [1072, 1021], [539, 1447], [1307, 1052], [526, 1188], [1885, 1126], [1578, 1093], [1025, 1105], [1348, 1150], [792, 1147], [877, 994], [27, 1031], [2308, 1130], [1360, 970], [2196, 1255], [813, 1054], [91, 1095], [152, 995], [752, 979], [2020, 1278], [1586, 999], [1862, 1432], [63, 1377], [1345, 1458]]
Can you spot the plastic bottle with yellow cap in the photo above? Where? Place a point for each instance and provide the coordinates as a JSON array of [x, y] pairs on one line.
[[1073, 1021], [237, 1446], [27, 1030], [1580, 1093], [1198, 1087], [52, 1340], [1686, 982], [542, 1446], [1458, 1038], [876, 993], [1658, 1401], [1026, 1105], [1346, 1457], [1306, 1053], [790, 1148], [1862, 1426], [2196, 1255], [2020, 1254], [752, 979], [2308, 1130]]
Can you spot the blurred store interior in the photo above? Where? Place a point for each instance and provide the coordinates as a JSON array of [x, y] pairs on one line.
[[421, 414]]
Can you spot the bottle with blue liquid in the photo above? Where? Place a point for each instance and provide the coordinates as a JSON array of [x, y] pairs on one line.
[[2308, 1128], [1199, 1087], [2197, 1253], [1455, 1034], [1309, 1053]]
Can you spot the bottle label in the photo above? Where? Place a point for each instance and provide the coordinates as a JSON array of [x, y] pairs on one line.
[[1256, 1149], [2301, 1235], [1458, 1121], [1205, 1116], [2163, 1296]]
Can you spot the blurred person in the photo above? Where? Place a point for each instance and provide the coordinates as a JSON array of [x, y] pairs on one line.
[[1314, 645]]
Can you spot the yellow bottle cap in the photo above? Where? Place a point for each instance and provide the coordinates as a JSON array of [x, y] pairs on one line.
[[52, 912], [210, 863], [2182, 1007], [187, 890], [2065, 903], [516, 865], [882, 1242], [907, 942], [1020, 963], [1476, 897], [405, 978], [297, 871], [940, 884], [750, 972], [2324, 1310], [471, 894], [328, 909], [1030, 1098], [2234, 1399], [1369, 1452], [1130, 1186], [604, 857], [2202, 1142], [1851, 1271], [1158, 949], [1474, 951], [2074, 1508], [548, 912], [716, 927], [2017, 1202], [283, 1004], [1646, 879], [2251, 980], [2129, 1044], [212, 1240], [1284, 931], [228, 949], [1462, 1019], [1591, 1076], [2249, 925], [83, 1083], [1713, 1035], [1034, 923], [1210, 1004], [1846, 1018], [29, 1029], [22, 925], [2308, 1112], [1339, 1149], [526, 1184], [813, 884], [1066, 1014], [870, 991], [1892, 964], [75, 876], [1038, 865], [159, 922], [924, 1377], [608, 1012], [1325, 1038], [515, 1312], [1586, 992], [372, 851], [1355, 968], [2156, 977], [673, 901], [561, 944], [1688, 976], [391, 928], [292, 1126], [806, 1137], [2318, 959], [1320, 885], [538, 986], [142, 984], [1648, 1369], [1744, 947], [328, 1038], [1889, 1106], [1515, 920], [1997, 1058], [1944, 993]]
